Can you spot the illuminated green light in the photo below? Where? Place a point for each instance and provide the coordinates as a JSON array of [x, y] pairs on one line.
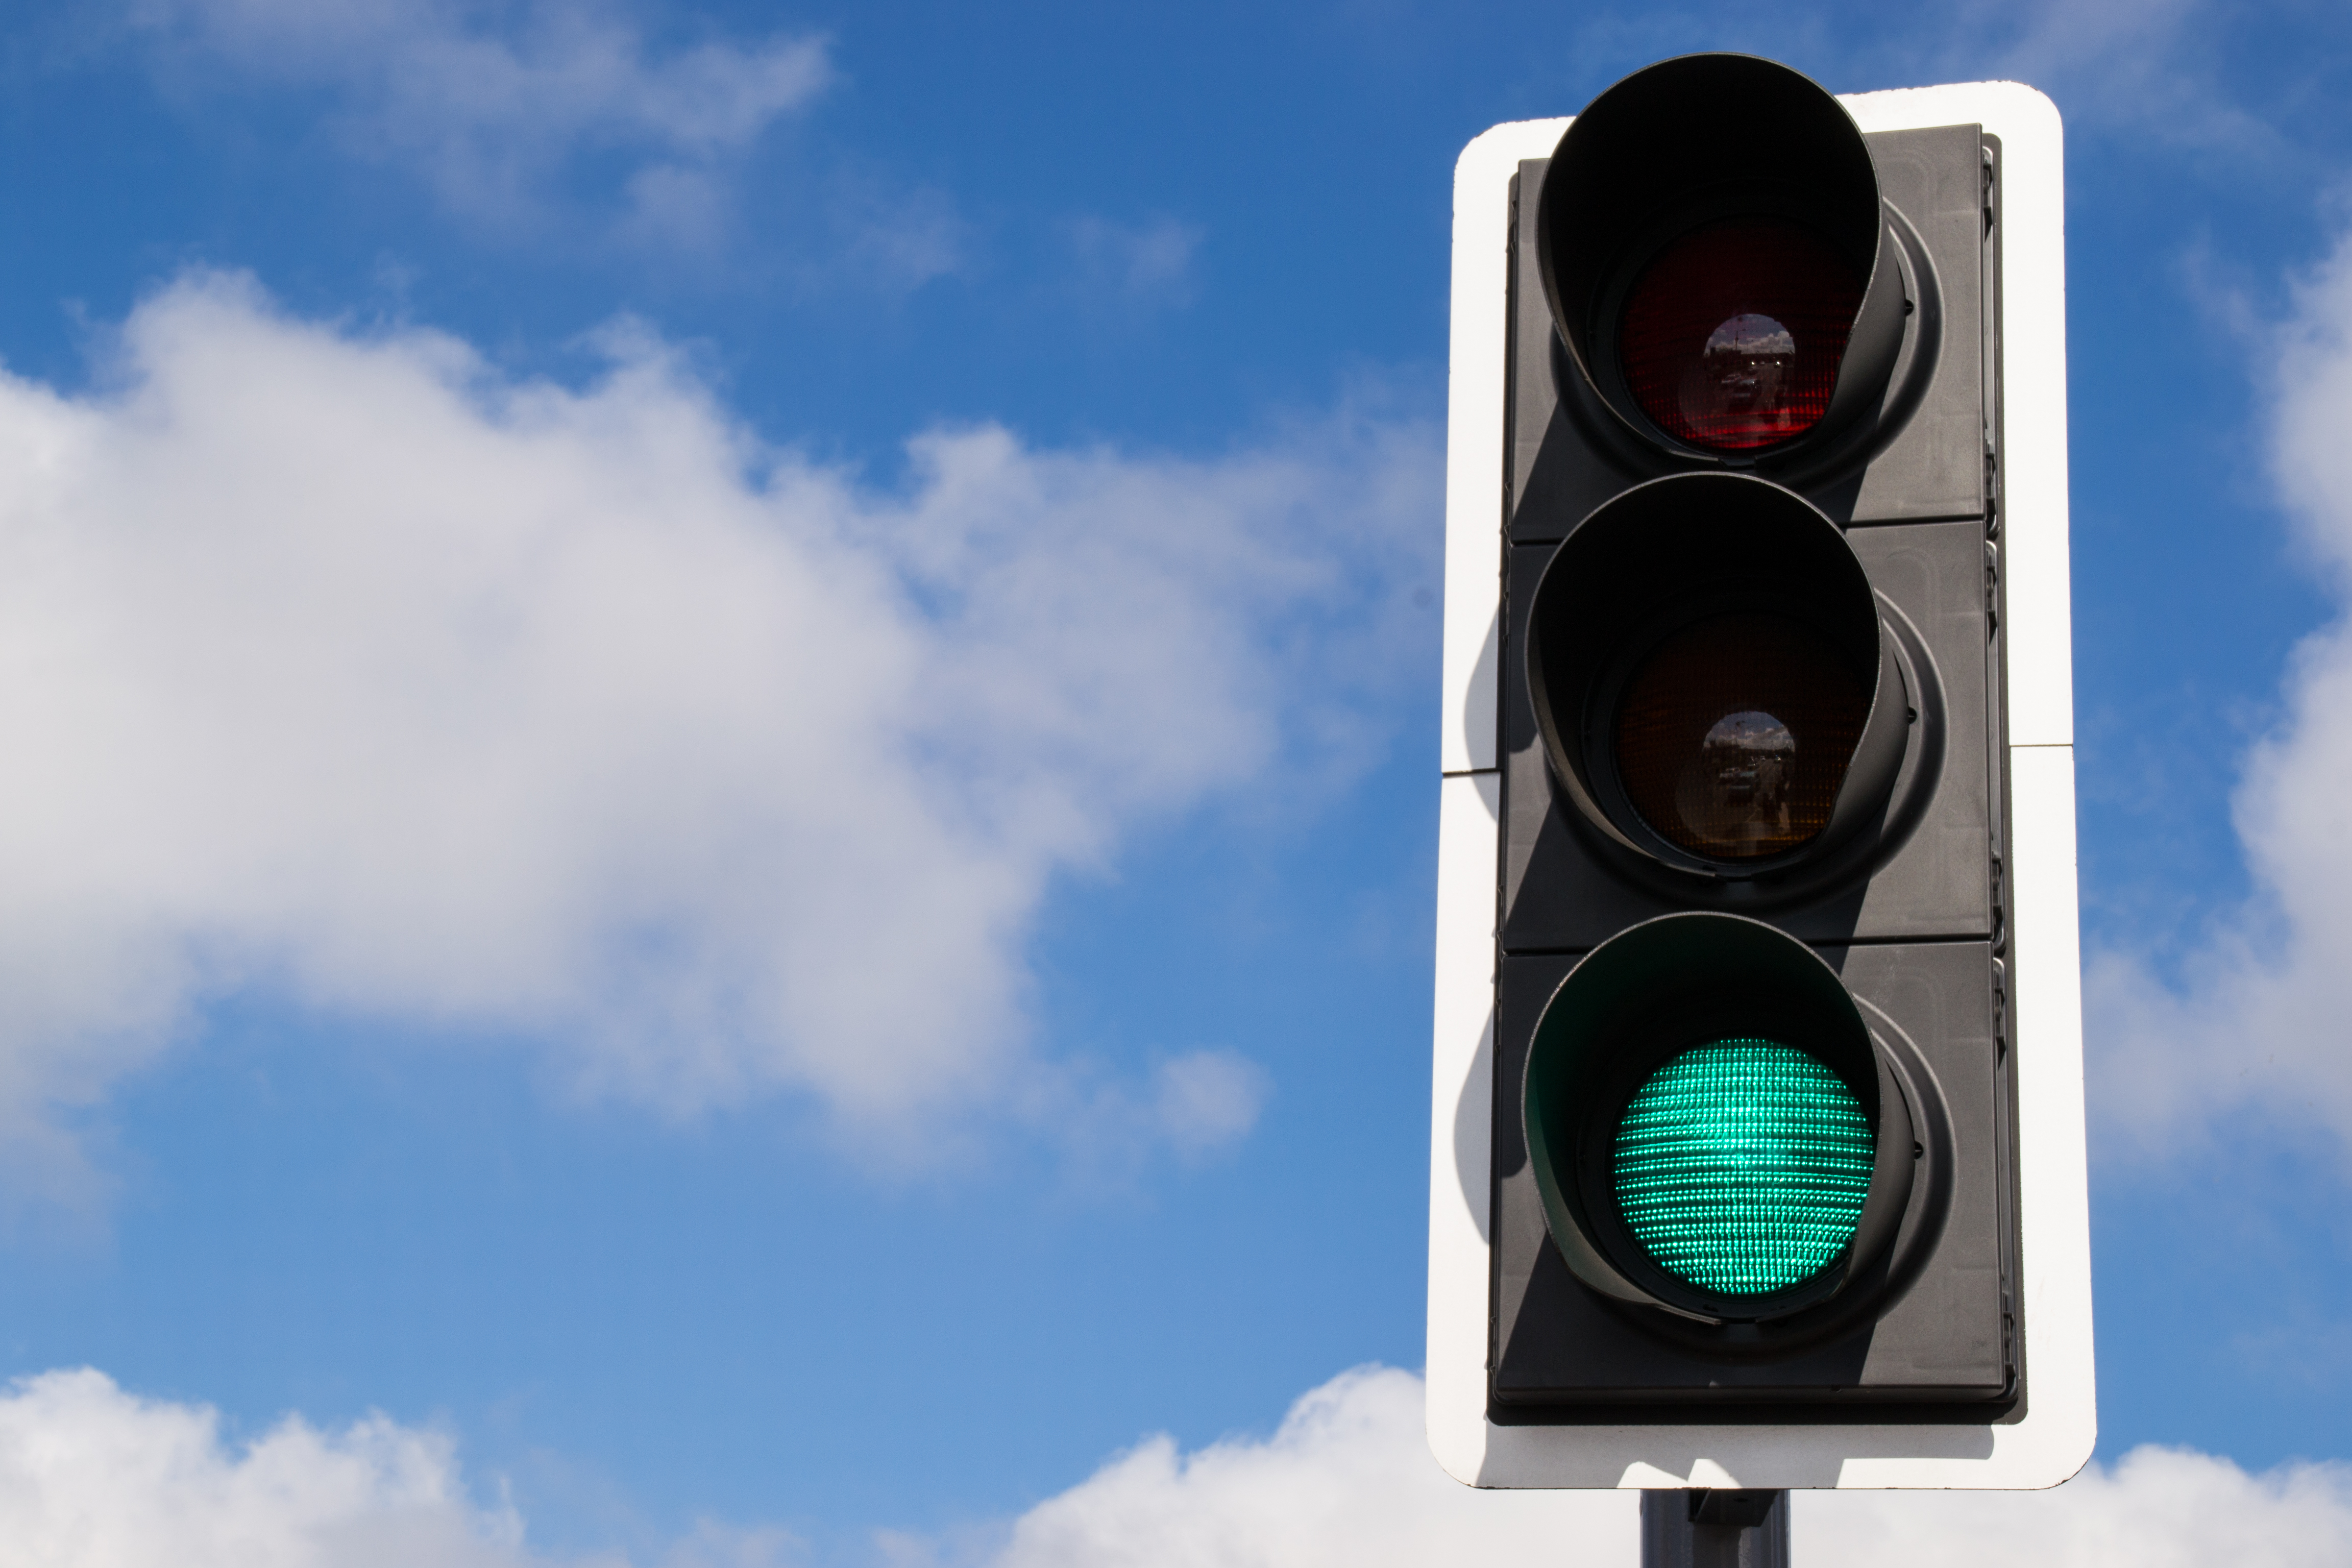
[[1742, 1165]]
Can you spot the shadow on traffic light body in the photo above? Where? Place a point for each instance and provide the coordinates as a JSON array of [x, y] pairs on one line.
[[1751, 1101]]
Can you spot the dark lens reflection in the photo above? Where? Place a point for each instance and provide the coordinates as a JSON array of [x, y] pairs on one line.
[[1750, 363], [1732, 337], [1734, 735]]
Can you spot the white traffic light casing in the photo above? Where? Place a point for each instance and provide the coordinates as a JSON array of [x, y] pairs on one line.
[[1757, 1145]]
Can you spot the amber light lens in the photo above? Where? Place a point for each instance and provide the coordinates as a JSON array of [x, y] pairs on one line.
[[1734, 735], [1731, 338]]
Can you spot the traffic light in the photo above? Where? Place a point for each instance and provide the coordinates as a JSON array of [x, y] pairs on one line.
[[1758, 1139]]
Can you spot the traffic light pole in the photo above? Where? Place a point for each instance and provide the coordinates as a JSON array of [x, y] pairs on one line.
[[1719, 1528]]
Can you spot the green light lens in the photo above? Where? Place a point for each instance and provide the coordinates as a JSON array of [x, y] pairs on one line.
[[1742, 1165]]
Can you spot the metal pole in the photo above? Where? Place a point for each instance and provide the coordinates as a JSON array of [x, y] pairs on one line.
[[1715, 1528]]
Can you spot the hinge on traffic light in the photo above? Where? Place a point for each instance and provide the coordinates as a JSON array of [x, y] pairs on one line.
[[1999, 1006], [1992, 489], [1992, 587], [1987, 190], [2000, 918]]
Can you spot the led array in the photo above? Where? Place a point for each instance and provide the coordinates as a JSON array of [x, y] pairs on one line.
[[1742, 1165]]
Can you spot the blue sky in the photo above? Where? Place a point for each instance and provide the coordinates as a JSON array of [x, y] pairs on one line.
[[719, 830]]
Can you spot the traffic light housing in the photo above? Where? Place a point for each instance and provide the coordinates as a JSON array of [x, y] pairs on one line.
[[1731, 1087]]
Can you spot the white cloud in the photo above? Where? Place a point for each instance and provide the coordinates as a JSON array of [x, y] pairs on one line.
[[344, 667], [2143, 65], [2157, 1508], [485, 110], [891, 236], [1150, 261], [715, 1545], [91, 1477], [1205, 1099], [2252, 1020], [1347, 1480], [1195, 1104]]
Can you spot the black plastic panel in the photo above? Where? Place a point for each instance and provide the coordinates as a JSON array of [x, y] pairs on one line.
[[1934, 466], [1941, 1352], [1565, 889], [1917, 934]]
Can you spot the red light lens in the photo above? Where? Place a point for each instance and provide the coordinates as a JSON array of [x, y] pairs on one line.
[[1732, 337]]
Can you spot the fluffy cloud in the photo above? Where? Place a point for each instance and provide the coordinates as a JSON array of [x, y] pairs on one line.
[[484, 111], [341, 666], [2253, 1020], [92, 1478], [1347, 1480], [2141, 66], [2164, 1507]]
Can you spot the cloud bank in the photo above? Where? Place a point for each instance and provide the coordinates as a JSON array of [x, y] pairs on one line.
[[340, 666], [2252, 1022], [93, 1476], [1347, 1482]]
